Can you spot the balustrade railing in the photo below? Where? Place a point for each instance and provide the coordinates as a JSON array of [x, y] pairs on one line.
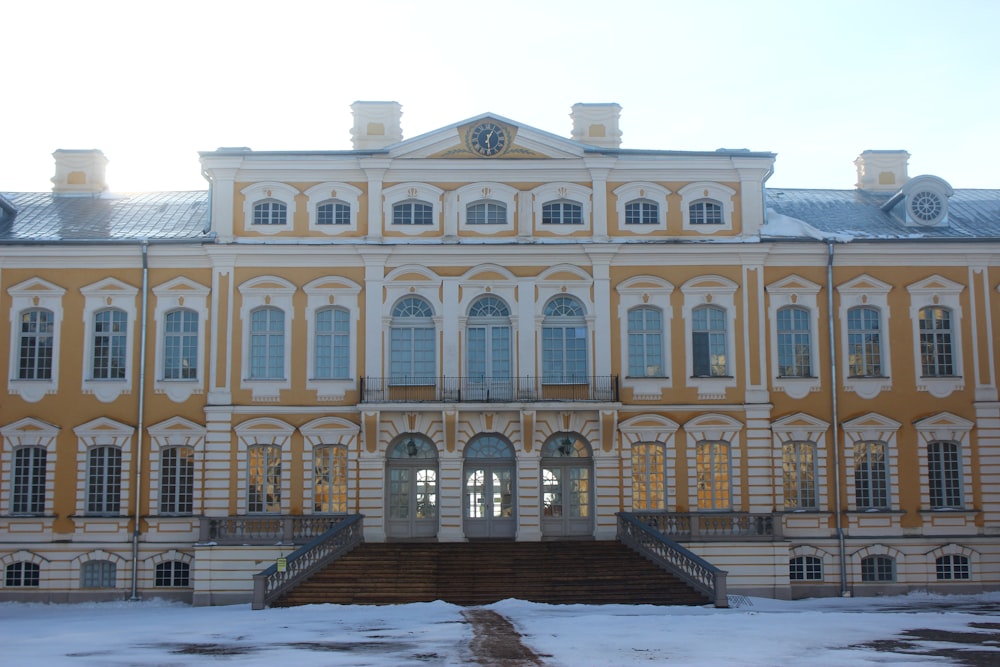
[[527, 388], [339, 539], [686, 565], [708, 526], [249, 529]]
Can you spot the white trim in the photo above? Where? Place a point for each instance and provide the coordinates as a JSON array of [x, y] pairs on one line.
[[865, 291], [651, 428], [715, 428], [795, 291], [652, 292], [720, 292], [325, 431], [176, 432], [103, 432], [332, 190], [339, 293], [33, 294], [28, 432], [552, 192], [456, 203], [872, 427], [642, 190], [109, 293], [693, 192], [176, 294], [931, 292], [256, 293], [253, 194], [800, 427], [422, 192], [263, 431], [946, 427]]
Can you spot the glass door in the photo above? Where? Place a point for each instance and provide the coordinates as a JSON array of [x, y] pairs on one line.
[[412, 490]]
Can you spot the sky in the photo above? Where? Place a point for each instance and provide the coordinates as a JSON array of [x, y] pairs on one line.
[[829, 632], [152, 84]]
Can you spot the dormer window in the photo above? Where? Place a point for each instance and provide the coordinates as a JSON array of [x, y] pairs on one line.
[[926, 206], [270, 212], [926, 201]]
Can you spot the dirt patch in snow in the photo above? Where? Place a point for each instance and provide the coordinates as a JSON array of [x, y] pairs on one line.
[[495, 642]]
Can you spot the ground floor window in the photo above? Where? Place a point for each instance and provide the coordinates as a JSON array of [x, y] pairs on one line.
[[805, 568], [98, 574], [952, 567], [878, 568], [22, 573], [173, 573]]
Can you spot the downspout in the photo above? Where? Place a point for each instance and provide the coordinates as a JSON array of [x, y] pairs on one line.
[[835, 421], [143, 330]]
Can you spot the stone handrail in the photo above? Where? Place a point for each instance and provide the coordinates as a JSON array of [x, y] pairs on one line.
[[686, 565], [708, 526], [251, 529], [273, 582], [485, 389]]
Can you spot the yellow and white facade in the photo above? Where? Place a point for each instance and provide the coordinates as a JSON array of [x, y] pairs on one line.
[[492, 332]]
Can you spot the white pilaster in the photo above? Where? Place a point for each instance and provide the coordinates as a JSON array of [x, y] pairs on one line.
[[218, 461]]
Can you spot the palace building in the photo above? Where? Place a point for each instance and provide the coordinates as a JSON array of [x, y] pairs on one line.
[[494, 332]]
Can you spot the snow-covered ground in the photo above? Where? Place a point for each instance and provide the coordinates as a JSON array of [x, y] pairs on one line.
[[759, 632]]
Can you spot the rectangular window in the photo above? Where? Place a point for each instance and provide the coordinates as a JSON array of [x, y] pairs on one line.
[[28, 495], [805, 568], [330, 479], [564, 355], [98, 574], [333, 344], [944, 472], [871, 476], [799, 467], [864, 342], [645, 343], [708, 342], [649, 478], [878, 568], [936, 345], [952, 567], [712, 469], [35, 345], [173, 574], [110, 345], [794, 344], [180, 345], [177, 480], [267, 344], [104, 480], [264, 479]]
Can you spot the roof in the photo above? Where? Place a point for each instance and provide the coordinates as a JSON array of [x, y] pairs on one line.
[[44, 217], [972, 214]]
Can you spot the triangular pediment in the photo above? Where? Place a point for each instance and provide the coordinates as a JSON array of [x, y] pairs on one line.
[[872, 421], [460, 141], [864, 283], [793, 284], [35, 287], [181, 286]]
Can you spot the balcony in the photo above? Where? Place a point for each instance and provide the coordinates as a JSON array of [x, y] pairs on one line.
[[712, 526], [523, 389]]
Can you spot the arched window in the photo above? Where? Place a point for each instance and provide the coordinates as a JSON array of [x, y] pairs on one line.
[[864, 342], [564, 342], [330, 479], [706, 212], [264, 479], [798, 460], [267, 344], [878, 568], [649, 476], [642, 212], [333, 212], [333, 344], [713, 476], [110, 344], [270, 212], [22, 573], [412, 358], [937, 356], [805, 568], [488, 340], [176, 480], [172, 574], [645, 342], [562, 212], [35, 345], [486, 212], [180, 345], [708, 342], [794, 342], [412, 213]]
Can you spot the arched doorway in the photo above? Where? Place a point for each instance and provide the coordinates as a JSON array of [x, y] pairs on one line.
[[412, 488], [567, 467], [488, 496]]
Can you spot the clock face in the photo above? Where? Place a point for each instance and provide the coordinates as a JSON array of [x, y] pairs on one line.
[[488, 139]]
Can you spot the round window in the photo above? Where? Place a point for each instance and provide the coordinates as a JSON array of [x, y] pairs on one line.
[[925, 206]]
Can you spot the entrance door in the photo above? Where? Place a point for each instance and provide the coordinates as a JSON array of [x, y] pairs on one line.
[[412, 489], [567, 487], [489, 489]]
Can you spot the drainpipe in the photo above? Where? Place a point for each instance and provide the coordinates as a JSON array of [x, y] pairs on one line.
[[141, 421], [838, 500]]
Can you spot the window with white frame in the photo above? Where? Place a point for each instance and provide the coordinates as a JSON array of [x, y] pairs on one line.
[[482, 208], [22, 574], [263, 479], [109, 311], [564, 342], [707, 207], [805, 568], [331, 317], [104, 481], [332, 344], [486, 213], [878, 569], [561, 208], [180, 345], [709, 322], [268, 207], [29, 474], [794, 342], [865, 343], [266, 312], [936, 312], [798, 462], [641, 207], [413, 208], [333, 207], [952, 567], [181, 312], [793, 313], [645, 342], [944, 474], [172, 574], [871, 475], [412, 357], [649, 476], [36, 318], [330, 479], [945, 459], [176, 480], [488, 341], [712, 469], [98, 574], [644, 315]]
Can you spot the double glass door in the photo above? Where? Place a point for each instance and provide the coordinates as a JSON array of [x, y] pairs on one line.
[[489, 501]]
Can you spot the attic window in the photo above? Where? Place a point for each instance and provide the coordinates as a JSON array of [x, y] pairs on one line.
[[926, 206]]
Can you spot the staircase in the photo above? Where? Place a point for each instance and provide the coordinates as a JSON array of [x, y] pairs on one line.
[[474, 573]]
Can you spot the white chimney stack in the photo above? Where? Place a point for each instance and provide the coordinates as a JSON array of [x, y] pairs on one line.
[[79, 173], [376, 124], [597, 124], [882, 171]]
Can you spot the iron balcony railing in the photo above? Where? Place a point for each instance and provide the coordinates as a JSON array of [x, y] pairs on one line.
[[521, 389]]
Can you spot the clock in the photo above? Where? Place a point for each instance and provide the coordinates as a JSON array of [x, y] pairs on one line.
[[488, 139]]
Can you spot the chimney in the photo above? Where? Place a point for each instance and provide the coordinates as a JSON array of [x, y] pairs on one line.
[[376, 124], [79, 173], [882, 171], [597, 124]]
